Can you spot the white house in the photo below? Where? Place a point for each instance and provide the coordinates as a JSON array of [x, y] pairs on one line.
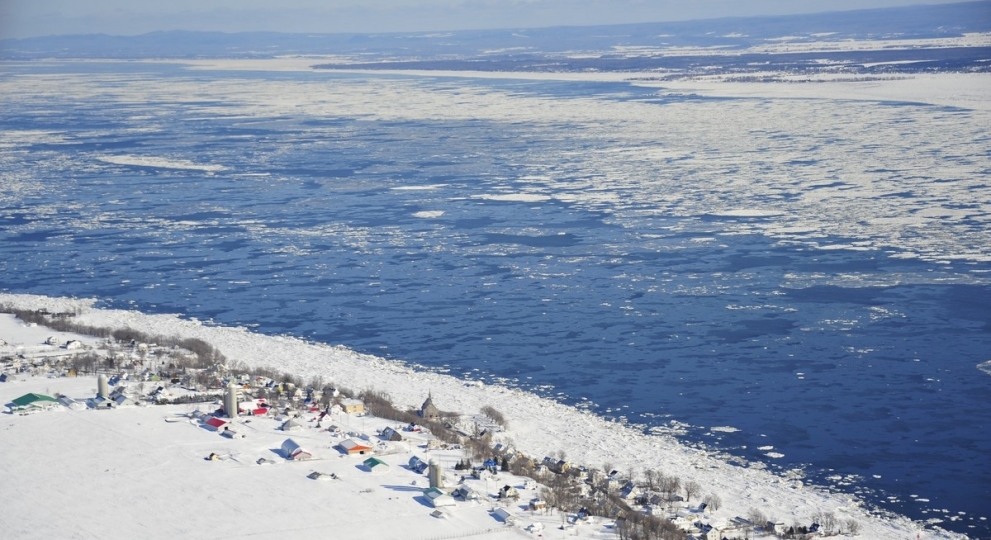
[[438, 498]]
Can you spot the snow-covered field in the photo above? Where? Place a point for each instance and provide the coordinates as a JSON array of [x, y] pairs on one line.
[[65, 473]]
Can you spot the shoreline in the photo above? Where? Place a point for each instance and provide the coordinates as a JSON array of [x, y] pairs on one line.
[[540, 426]]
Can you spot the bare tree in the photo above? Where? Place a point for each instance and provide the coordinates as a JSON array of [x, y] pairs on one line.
[[668, 484], [851, 526], [650, 478], [758, 518], [692, 489], [712, 502], [495, 415], [826, 521]]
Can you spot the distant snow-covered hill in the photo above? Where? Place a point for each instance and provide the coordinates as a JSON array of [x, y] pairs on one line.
[[509, 45]]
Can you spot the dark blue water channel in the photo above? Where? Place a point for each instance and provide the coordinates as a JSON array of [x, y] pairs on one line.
[[320, 228]]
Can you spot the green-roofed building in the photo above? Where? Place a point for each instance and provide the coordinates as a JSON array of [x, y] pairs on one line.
[[376, 465], [32, 401]]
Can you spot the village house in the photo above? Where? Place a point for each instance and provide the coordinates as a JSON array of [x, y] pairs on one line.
[[353, 406], [389, 434], [509, 492]]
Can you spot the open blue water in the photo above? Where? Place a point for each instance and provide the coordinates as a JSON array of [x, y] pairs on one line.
[[315, 229]]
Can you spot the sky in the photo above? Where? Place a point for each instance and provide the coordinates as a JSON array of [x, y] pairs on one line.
[[32, 18]]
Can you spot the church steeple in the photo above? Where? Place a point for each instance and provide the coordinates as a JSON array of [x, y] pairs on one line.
[[428, 410]]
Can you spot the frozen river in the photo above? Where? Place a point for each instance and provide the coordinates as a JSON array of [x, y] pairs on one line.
[[813, 273]]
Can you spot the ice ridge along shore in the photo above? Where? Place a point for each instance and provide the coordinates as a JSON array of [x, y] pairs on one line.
[[539, 426]]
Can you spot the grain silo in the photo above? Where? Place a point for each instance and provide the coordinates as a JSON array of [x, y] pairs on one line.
[[102, 388], [435, 474], [230, 401]]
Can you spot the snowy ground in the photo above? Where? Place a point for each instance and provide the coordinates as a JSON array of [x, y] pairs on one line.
[[66, 472]]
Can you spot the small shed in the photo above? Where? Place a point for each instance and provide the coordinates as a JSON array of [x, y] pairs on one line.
[[537, 504], [292, 450]]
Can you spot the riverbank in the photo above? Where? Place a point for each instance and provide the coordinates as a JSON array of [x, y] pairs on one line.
[[538, 426]]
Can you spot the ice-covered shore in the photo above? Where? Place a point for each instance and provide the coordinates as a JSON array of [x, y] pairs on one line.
[[538, 426]]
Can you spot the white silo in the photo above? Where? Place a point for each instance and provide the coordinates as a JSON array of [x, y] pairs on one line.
[[102, 388], [435, 475], [230, 401]]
